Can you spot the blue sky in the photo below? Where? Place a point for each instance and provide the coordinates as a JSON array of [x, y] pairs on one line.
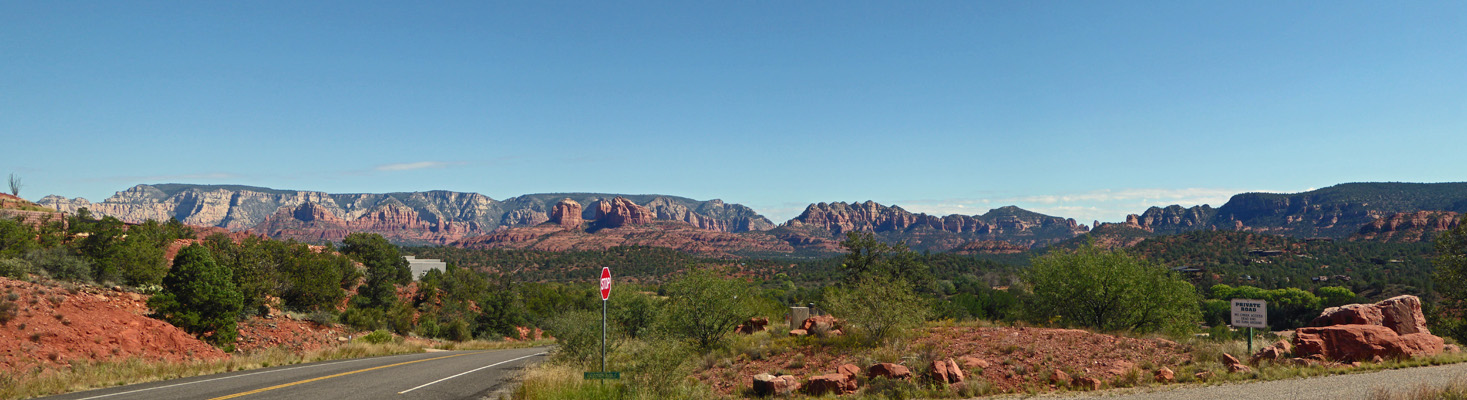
[[1089, 110]]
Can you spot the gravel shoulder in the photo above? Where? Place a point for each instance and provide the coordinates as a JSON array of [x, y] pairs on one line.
[[1349, 386]]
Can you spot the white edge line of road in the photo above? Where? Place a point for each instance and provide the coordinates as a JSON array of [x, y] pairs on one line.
[[228, 377], [468, 372]]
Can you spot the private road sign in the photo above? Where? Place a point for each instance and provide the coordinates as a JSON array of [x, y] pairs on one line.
[[1250, 313]]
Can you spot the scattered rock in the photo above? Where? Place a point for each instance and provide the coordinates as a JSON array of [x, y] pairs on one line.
[[830, 383], [850, 370], [1233, 364], [1203, 376], [945, 371], [1059, 378], [1165, 375], [752, 325], [1278, 351], [768, 385], [889, 370], [973, 362], [1452, 348], [798, 332]]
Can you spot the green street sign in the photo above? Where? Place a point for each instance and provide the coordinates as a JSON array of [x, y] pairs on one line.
[[602, 375]]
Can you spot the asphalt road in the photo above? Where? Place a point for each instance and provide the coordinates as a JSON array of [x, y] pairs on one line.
[[1333, 387], [435, 375]]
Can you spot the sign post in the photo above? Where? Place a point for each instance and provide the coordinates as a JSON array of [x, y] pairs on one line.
[[1252, 314], [605, 294]]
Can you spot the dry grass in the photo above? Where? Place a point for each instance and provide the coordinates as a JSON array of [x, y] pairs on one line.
[[95, 375]]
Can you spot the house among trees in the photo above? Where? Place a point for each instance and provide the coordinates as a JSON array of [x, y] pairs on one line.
[[422, 266]]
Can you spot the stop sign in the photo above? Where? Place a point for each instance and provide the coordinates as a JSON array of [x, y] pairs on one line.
[[605, 283]]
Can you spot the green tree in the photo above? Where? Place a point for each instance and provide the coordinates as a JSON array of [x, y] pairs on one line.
[[703, 306], [1451, 282], [385, 268], [1335, 296], [878, 308], [199, 296], [868, 257], [1110, 291]]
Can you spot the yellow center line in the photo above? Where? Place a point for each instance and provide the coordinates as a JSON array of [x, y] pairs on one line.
[[337, 376]]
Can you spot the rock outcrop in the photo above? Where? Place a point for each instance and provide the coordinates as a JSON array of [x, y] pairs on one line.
[[619, 212], [438, 217], [1401, 314], [1392, 328], [929, 232], [889, 371], [1411, 227], [673, 235], [567, 214]]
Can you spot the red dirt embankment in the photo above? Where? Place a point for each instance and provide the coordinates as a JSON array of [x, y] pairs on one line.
[[51, 326]]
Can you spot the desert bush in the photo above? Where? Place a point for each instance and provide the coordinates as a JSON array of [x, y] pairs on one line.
[[655, 368], [362, 318], [15, 268], [60, 263], [8, 311], [1111, 291], [579, 337], [325, 318], [379, 336], [634, 313], [878, 308], [704, 307]]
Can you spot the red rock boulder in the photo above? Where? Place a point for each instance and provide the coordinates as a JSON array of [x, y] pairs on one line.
[[830, 383], [1363, 342], [850, 370], [769, 385], [752, 325], [1401, 314], [1165, 375], [821, 323], [889, 371], [945, 371], [1086, 383]]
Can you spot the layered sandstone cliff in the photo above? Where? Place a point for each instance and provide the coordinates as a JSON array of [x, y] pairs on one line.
[[415, 217], [1417, 226], [929, 232]]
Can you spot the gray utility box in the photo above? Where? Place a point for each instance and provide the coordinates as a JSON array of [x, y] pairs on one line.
[[798, 315]]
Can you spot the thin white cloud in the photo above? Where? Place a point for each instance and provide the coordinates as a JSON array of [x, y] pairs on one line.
[[415, 165]]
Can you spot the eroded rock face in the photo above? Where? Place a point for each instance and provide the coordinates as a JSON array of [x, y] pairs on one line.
[[567, 214], [1408, 227], [438, 217], [619, 212], [1009, 224]]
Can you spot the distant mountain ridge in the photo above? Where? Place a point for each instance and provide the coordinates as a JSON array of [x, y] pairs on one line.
[[416, 217], [828, 221], [1336, 212], [1354, 211]]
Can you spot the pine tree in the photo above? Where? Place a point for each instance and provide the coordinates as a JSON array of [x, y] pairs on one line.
[[200, 297]]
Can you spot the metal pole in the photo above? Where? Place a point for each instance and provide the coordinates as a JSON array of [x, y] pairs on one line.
[[1250, 341], [603, 336]]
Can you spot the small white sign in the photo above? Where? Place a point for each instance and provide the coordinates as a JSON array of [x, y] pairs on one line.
[[1248, 313]]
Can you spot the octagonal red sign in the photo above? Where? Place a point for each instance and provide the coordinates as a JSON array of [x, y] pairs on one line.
[[605, 283]]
